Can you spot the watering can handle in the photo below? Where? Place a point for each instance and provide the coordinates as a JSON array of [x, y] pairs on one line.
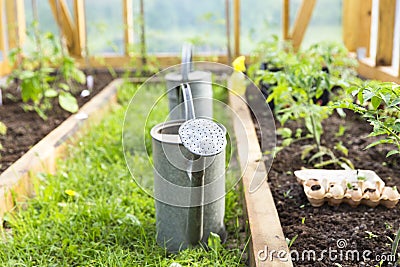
[[188, 101], [186, 61]]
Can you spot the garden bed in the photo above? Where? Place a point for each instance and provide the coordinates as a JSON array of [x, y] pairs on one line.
[[319, 229], [25, 129]]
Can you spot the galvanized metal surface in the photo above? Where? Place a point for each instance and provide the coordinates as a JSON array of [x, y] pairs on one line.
[[178, 197]]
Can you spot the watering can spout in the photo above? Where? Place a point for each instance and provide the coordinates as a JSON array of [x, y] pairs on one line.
[[188, 102]]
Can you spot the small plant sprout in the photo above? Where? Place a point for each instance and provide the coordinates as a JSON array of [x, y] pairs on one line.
[[290, 242], [370, 235], [303, 220], [286, 194], [349, 186], [341, 131], [388, 226]]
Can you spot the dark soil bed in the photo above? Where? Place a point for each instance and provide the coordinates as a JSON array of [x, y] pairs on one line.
[[363, 229], [25, 129]]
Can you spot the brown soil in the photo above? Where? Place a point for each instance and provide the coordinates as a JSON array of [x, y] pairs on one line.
[[25, 129], [363, 229]]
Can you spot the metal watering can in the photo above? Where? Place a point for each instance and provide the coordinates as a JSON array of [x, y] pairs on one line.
[[189, 179], [201, 89]]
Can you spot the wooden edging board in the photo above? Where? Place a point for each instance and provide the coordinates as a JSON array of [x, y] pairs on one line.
[[16, 182], [268, 245]]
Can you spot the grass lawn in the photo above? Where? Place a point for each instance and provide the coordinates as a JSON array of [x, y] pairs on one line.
[[92, 213]]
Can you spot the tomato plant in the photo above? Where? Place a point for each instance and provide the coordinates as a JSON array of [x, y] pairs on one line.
[[379, 103]]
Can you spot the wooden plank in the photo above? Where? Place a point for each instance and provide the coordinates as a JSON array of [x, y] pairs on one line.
[[128, 26], [65, 22], [384, 50], [15, 23], [163, 60], [80, 28], [265, 228], [286, 19], [364, 28], [367, 69], [2, 30], [236, 27], [350, 23], [301, 23], [17, 180]]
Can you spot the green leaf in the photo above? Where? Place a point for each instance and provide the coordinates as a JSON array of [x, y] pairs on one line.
[[379, 142], [306, 151], [214, 241], [376, 102], [68, 102], [79, 76], [367, 95], [50, 93], [392, 152], [3, 128], [317, 155], [360, 97], [64, 86], [340, 147], [284, 132], [286, 142]]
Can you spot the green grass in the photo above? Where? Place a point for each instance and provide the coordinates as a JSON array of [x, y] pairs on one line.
[[91, 213]]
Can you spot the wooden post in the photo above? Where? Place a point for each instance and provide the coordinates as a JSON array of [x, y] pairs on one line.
[[384, 50], [15, 23], [64, 21], [228, 30], [236, 11], [357, 24], [286, 19], [128, 26], [302, 19], [2, 32], [80, 28]]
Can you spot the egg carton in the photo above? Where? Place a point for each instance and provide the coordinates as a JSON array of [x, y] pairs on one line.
[[353, 187]]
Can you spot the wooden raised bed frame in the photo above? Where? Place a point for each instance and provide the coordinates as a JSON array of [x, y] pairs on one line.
[[16, 182]]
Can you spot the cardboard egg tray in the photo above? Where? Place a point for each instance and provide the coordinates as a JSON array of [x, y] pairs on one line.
[[353, 187]]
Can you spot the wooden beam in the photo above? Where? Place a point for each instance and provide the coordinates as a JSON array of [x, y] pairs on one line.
[[364, 29], [357, 24], [367, 69], [286, 19], [264, 224], [301, 23], [80, 28], [64, 21], [236, 18], [384, 50], [165, 60], [15, 23], [128, 25], [4, 64]]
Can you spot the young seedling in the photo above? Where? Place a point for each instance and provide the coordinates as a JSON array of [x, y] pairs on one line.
[[287, 194], [370, 235], [35, 74], [290, 242]]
